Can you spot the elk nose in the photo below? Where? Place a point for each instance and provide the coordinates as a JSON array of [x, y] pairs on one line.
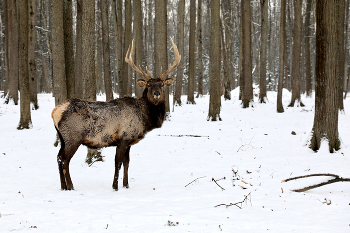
[[156, 94]]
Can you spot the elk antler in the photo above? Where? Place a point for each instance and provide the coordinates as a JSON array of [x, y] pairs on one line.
[[130, 62], [176, 62]]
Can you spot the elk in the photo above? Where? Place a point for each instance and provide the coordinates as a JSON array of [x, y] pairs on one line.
[[122, 122]]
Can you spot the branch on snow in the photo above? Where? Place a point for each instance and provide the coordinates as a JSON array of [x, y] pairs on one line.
[[240, 203], [334, 180]]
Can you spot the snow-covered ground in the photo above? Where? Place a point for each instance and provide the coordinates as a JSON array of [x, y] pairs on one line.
[[248, 153]]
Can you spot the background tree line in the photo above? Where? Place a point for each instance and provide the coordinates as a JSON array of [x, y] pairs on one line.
[[76, 48]]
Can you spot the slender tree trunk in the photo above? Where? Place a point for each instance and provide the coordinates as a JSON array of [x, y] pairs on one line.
[[200, 49], [160, 50], [263, 49], [226, 60], [58, 58], [180, 68], [69, 48], [326, 89], [78, 51], [247, 96], [296, 54], [12, 51], [192, 67], [33, 82], [282, 55], [307, 50], [215, 63], [138, 43], [25, 121], [341, 54], [124, 82], [105, 51], [119, 47]]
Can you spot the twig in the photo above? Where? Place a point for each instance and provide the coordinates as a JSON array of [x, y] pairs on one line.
[[237, 203], [217, 184], [334, 180], [184, 135], [194, 180]]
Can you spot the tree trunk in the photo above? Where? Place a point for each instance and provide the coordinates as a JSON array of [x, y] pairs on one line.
[[200, 49], [296, 54], [33, 82], [138, 43], [263, 49], [282, 55], [226, 59], [247, 96], [326, 89], [58, 58], [124, 82], [180, 68], [105, 51], [307, 50], [191, 47], [119, 46], [12, 51], [215, 63], [341, 57], [69, 48], [160, 48], [78, 51], [25, 121]]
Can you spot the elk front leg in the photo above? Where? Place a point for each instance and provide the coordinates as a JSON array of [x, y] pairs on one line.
[[119, 159], [126, 167]]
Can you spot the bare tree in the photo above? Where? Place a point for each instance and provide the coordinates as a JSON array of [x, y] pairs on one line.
[[123, 79], [200, 49], [31, 55], [263, 49], [307, 50], [69, 47], [78, 51], [296, 53], [138, 42], [106, 51], [247, 87], [25, 121], [327, 72], [191, 47], [179, 76], [282, 55], [215, 63]]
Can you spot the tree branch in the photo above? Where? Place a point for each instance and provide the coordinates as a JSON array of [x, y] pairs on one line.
[[194, 180], [237, 203], [217, 183], [334, 180]]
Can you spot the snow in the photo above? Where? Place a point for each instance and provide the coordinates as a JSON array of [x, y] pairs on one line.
[[254, 145]]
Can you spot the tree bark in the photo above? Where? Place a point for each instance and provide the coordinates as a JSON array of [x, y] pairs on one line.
[[69, 48], [119, 47], [200, 49], [105, 51], [78, 52], [263, 49], [33, 82], [191, 47], [12, 51], [296, 54], [326, 70], [247, 95], [138, 43], [160, 43], [226, 59], [58, 56], [282, 55], [25, 121], [124, 80], [307, 50], [215, 63], [180, 68]]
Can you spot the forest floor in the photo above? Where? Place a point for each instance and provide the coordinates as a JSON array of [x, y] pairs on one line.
[[178, 182]]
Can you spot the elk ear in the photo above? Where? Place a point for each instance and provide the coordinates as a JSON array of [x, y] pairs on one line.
[[141, 82], [169, 81]]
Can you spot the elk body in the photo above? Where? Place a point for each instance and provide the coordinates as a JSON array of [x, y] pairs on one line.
[[121, 122]]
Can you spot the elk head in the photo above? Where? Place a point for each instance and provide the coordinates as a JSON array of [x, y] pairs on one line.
[[154, 86]]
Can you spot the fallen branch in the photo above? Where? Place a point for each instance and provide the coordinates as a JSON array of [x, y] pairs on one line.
[[194, 180], [184, 135], [246, 198], [217, 182], [334, 180]]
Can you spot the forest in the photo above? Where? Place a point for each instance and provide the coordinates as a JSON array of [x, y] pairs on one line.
[[255, 135]]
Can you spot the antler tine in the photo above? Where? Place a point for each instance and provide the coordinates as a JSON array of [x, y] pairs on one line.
[[176, 61], [130, 62]]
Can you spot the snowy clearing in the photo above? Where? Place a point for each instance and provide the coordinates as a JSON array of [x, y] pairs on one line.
[[248, 154]]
